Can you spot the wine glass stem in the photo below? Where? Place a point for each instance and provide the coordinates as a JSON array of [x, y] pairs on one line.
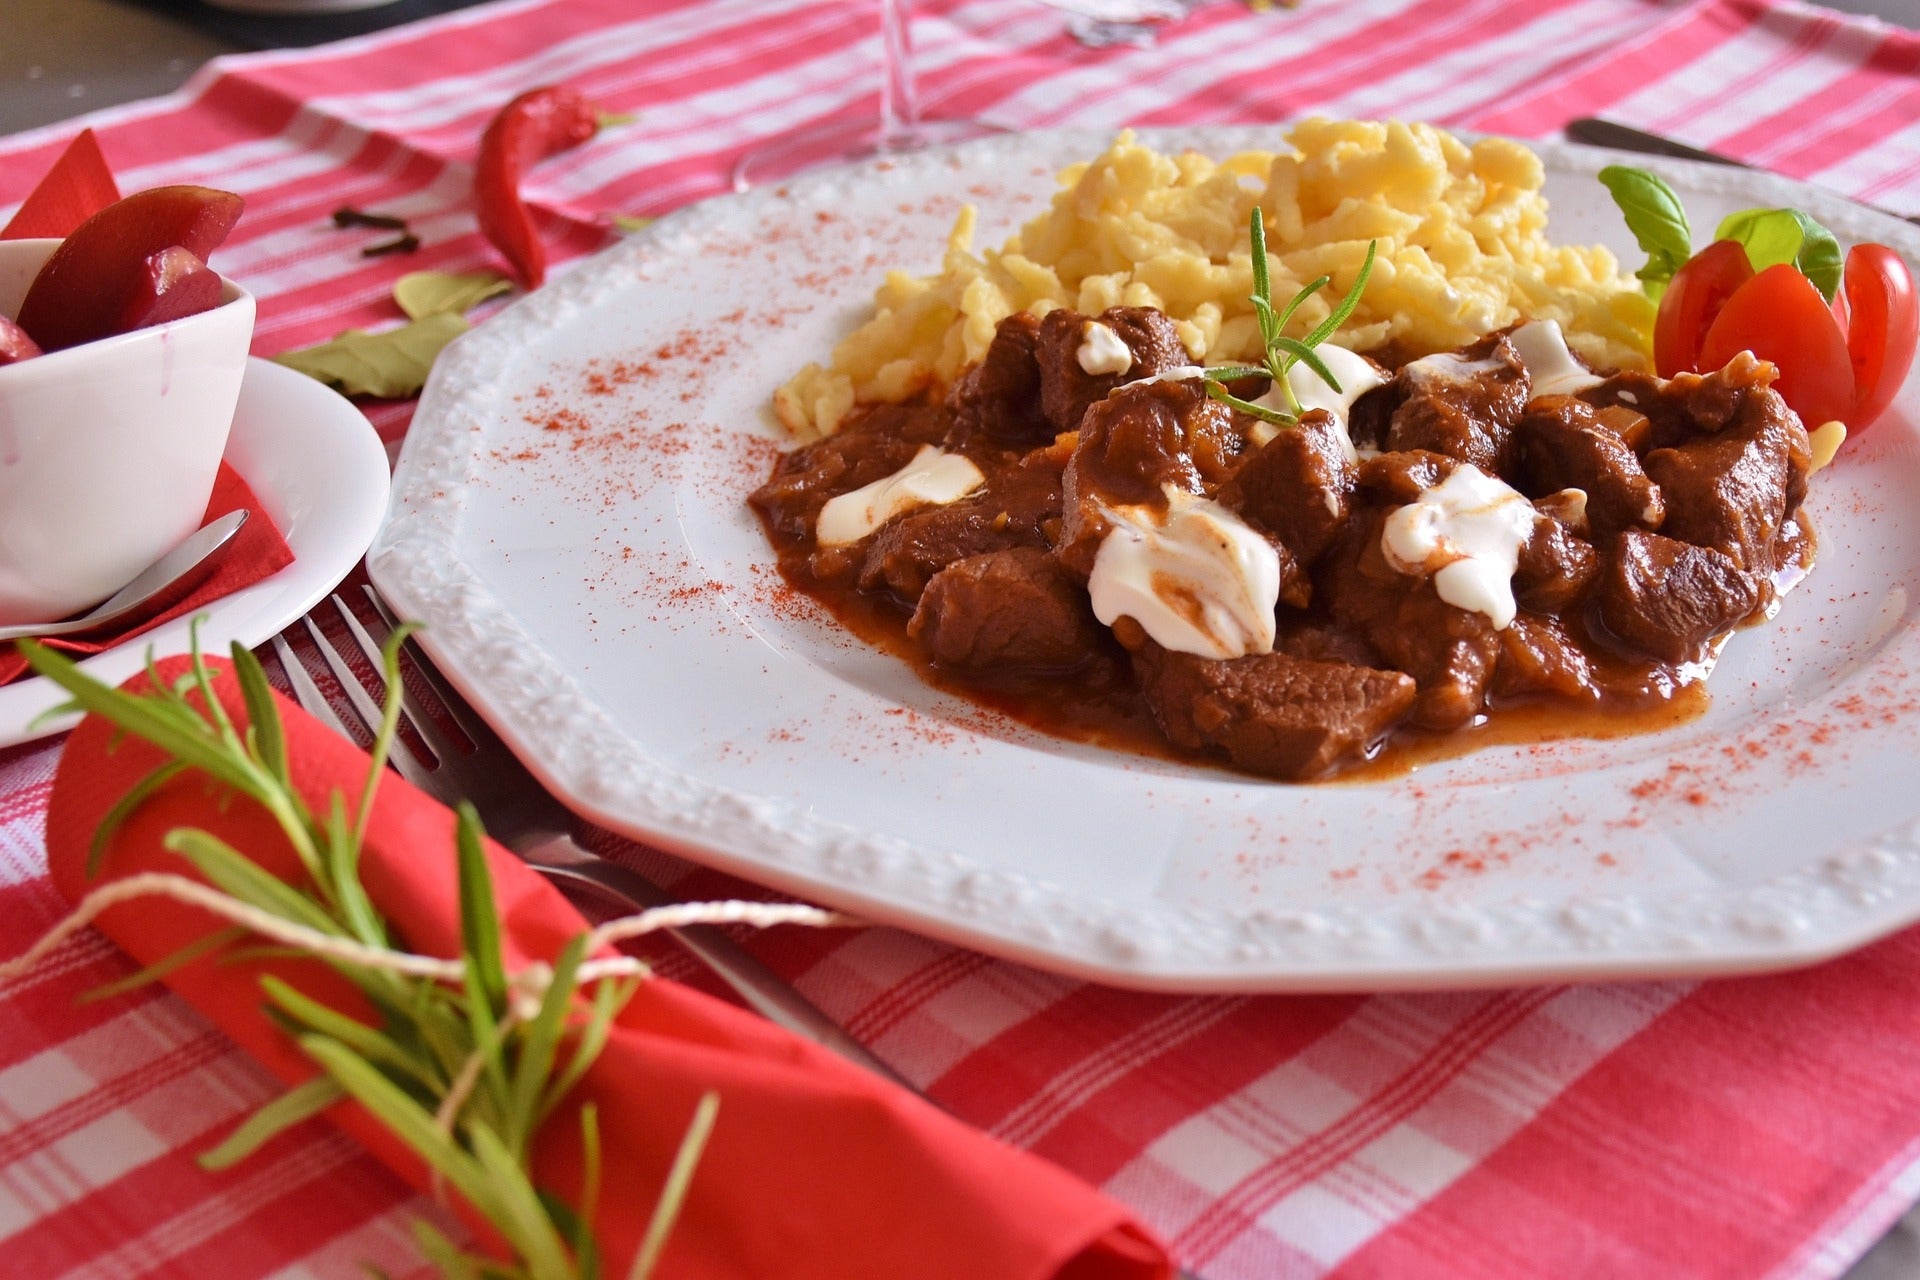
[[899, 109]]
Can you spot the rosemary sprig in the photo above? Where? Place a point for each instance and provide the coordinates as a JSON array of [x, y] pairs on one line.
[[464, 1071], [1281, 352]]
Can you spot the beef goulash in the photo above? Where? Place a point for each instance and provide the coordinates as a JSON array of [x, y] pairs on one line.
[[1090, 480], [1481, 528]]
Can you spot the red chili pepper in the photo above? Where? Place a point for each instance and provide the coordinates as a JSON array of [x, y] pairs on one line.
[[535, 125]]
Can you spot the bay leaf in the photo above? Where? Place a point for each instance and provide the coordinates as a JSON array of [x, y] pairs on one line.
[[426, 293], [392, 364]]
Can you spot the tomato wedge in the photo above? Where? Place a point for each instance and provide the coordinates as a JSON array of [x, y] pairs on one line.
[[1700, 288], [1779, 316], [1883, 328]]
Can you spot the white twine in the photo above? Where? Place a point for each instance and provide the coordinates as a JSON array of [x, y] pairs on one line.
[[527, 987]]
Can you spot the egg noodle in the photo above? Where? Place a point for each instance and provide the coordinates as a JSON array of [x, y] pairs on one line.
[[1462, 249]]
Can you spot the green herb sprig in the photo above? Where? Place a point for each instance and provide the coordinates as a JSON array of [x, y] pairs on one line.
[[466, 1062], [1281, 352]]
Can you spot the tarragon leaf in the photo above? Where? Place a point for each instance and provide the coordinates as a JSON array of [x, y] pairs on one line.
[[479, 926], [679, 1177], [1260, 411], [1306, 291], [1306, 355], [299, 1104], [1338, 316], [392, 364]]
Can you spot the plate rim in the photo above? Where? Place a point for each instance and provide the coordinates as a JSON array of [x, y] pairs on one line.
[[1859, 894], [325, 549]]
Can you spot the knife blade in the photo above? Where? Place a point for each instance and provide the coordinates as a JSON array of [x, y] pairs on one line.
[[1621, 137]]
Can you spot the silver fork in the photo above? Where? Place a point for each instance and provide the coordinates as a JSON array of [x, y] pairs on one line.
[[523, 816]]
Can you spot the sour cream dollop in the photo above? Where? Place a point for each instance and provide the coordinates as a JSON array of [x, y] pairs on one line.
[[1543, 349], [933, 478], [1102, 351], [1356, 376], [1467, 532], [1195, 577]]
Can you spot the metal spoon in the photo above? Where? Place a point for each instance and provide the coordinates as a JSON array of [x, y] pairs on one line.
[[166, 582]]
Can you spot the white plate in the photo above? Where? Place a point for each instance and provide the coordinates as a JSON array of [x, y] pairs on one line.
[[569, 519], [320, 471]]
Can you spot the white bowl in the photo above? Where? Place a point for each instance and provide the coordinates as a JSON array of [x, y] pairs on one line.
[[109, 450]]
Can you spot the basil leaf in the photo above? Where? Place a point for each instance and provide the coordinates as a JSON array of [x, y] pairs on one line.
[[1657, 220], [1819, 257], [1770, 236], [1774, 236], [392, 364]]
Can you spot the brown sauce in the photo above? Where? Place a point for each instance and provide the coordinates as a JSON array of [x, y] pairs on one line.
[[1101, 707]]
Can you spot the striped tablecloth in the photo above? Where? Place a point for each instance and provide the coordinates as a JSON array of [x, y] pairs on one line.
[[1763, 1127]]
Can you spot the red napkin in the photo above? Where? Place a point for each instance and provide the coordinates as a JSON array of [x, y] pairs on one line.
[[258, 551], [78, 186], [815, 1170]]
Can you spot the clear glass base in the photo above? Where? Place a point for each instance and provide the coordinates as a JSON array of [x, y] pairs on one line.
[[844, 142]]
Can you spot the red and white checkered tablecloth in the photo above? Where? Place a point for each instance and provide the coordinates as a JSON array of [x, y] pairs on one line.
[[1761, 1127]]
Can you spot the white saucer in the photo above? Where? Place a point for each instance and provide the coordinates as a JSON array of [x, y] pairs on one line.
[[320, 471]]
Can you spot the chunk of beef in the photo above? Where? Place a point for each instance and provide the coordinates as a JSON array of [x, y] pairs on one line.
[[1555, 568], [1639, 394], [1371, 415], [872, 447], [1733, 487], [1297, 487], [1000, 396], [1450, 652], [1396, 479], [1319, 640], [1561, 444], [1016, 510], [1271, 713], [1687, 405], [1007, 610], [1539, 657], [1569, 507], [1463, 405], [1667, 598], [1132, 446], [1066, 389]]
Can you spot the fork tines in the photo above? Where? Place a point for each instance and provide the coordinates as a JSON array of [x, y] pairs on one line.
[[357, 671]]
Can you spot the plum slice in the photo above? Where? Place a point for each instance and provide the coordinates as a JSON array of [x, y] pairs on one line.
[[104, 272], [15, 345]]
